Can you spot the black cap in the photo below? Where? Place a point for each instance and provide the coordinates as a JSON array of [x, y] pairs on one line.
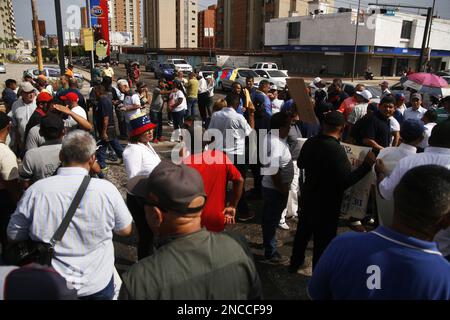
[[170, 187], [52, 121], [4, 120], [35, 282], [334, 119]]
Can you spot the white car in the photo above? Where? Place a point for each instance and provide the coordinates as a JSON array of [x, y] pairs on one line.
[[276, 77], [51, 73], [180, 65], [2, 68], [265, 66]]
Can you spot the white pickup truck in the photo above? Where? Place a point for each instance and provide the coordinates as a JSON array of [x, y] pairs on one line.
[[180, 65], [264, 66]]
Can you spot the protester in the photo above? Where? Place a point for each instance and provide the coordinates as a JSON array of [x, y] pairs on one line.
[[216, 170], [400, 107], [416, 111], [140, 158], [216, 266], [42, 162], [399, 262], [9, 95], [358, 130], [412, 135], [327, 172], [160, 95], [131, 102], [69, 71], [136, 73], [219, 105], [106, 129], [319, 91], [73, 88], [144, 96], [108, 71], [336, 94], [278, 174], [349, 104], [85, 258], [44, 103], [228, 122], [385, 89], [96, 74], [203, 98], [437, 154], [360, 110], [444, 112], [9, 183], [76, 115], [275, 103], [236, 88], [192, 95], [430, 119]]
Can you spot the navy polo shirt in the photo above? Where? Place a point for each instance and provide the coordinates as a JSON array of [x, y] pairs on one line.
[[381, 265], [378, 128]]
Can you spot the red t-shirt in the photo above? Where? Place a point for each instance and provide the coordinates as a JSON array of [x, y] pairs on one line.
[[216, 170]]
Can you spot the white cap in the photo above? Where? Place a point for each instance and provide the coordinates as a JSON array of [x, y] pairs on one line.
[[273, 87], [122, 82], [317, 80], [365, 94], [200, 74], [26, 87]]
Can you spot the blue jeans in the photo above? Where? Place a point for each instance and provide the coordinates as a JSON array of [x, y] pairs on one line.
[[192, 106], [105, 294], [274, 204], [157, 118], [101, 152]]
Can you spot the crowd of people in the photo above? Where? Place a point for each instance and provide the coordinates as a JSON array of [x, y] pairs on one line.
[[181, 208]]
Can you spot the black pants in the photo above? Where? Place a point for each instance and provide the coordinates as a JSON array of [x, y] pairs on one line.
[[145, 244], [7, 208], [319, 226], [204, 106], [242, 167]]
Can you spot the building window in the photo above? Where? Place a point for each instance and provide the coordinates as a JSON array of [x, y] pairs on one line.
[[294, 30], [406, 29]]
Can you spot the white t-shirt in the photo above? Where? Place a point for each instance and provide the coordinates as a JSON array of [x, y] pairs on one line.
[[276, 158], [428, 130], [177, 95], [20, 115], [277, 104], [70, 122], [129, 101], [8, 165], [410, 114], [358, 113], [140, 159]]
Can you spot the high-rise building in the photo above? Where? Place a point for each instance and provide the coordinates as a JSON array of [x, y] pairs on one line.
[[7, 21], [125, 16], [207, 27], [240, 23], [171, 23]]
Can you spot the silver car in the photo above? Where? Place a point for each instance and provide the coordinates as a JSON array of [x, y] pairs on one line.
[[2, 68], [231, 75]]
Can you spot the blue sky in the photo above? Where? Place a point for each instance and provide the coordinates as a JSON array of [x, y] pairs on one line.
[[46, 11]]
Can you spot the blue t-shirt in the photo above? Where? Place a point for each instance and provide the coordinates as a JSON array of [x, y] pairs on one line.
[[381, 265]]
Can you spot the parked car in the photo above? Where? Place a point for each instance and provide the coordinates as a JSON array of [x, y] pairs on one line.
[[180, 65], [201, 65], [2, 67], [151, 65], [349, 88], [265, 66], [240, 76], [51, 73], [276, 77], [209, 70], [166, 71]]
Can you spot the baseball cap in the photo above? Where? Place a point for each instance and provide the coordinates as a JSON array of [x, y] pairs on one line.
[[71, 96], [35, 282], [365, 94], [52, 121], [412, 130], [334, 119], [169, 187], [384, 83], [317, 80], [4, 120], [44, 97], [416, 96], [400, 96], [26, 87]]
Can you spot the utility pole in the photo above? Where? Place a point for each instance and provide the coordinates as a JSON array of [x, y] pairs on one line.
[[70, 47], [88, 9], [59, 30], [356, 41], [431, 25], [37, 36]]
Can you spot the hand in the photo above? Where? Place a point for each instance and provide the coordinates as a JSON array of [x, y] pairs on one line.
[[230, 215], [62, 109], [105, 137], [380, 167], [370, 159], [123, 108]]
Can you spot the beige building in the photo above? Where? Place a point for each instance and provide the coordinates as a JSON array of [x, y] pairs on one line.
[[7, 22], [125, 16], [171, 23]]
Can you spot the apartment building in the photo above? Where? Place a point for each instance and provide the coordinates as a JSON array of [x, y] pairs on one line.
[[207, 27], [7, 21], [125, 16]]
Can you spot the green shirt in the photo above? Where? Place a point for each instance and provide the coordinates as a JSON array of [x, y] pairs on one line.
[[198, 266], [442, 115], [192, 88]]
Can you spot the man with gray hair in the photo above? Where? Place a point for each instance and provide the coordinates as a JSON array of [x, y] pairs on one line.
[[85, 256]]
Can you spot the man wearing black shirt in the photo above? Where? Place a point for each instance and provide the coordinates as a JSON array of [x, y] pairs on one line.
[[328, 174], [357, 133], [104, 120], [377, 131]]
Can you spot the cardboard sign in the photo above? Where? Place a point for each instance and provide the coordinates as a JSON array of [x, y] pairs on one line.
[[298, 91], [356, 198]]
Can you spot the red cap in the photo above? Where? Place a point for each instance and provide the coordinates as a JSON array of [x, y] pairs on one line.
[[72, 97], [44, 97]]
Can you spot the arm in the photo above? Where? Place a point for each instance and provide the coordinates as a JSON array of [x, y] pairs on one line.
[[230, 211], [251, 115], [82, 122], [18, 227], [105, 128], [396, 141], [122, 217], [344, 173], [372, 144]]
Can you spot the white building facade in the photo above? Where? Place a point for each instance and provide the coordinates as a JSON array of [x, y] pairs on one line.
[[387, 44]]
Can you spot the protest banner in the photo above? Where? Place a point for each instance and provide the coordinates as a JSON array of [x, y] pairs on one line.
[[305, 107]]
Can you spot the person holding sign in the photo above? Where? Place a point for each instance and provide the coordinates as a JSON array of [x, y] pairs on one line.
[[328, 174]]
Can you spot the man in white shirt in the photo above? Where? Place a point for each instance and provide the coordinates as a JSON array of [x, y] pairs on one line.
[[21, 112], [437, 154], [400, 103], [416, 111], [385, 89], [77, 117], [131, 101], [85, 256], [360, 110], [430, 119], [203, 97], [108, 71]]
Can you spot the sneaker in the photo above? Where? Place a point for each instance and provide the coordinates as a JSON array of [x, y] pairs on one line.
[[284, 226], [277, 259], [170, 123]]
